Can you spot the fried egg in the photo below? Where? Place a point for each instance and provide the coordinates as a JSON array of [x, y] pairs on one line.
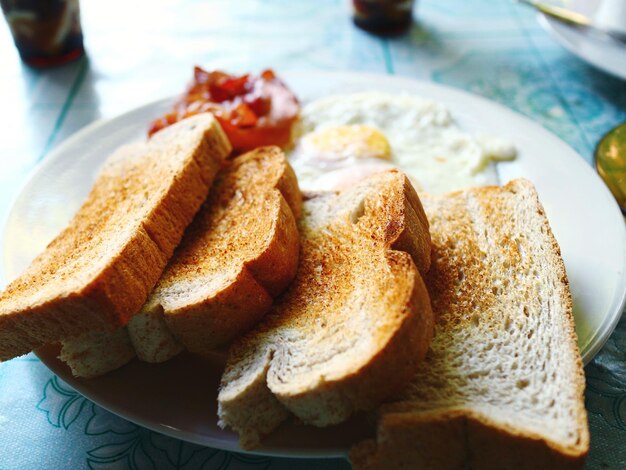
[[341, 139]]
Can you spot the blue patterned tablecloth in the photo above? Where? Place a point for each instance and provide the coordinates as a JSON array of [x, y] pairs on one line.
[[142, 50]]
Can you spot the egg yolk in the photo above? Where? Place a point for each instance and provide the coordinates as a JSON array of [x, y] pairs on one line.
[[352, 141]]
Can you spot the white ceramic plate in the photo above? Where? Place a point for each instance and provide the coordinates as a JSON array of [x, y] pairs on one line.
[[606, 54], [178, 398]]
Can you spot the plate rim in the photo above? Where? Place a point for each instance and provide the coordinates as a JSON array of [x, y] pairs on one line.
[[550, 25], [604, 332]]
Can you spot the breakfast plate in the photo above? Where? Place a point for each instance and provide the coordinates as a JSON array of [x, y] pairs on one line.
[[606, 54], [178, 398]]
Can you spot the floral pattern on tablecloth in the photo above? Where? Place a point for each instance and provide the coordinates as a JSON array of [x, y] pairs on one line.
[[127, 445]]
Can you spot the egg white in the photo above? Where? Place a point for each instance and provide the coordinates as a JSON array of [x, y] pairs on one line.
[[425, 143]]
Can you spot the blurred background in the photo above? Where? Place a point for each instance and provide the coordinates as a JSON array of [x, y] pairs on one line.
[[142, 50]]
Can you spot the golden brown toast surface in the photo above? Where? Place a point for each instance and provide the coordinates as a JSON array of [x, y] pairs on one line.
[[353, 325], [502, 384], [98, 271], [241, 251]]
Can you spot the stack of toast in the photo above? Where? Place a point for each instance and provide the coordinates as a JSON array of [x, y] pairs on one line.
[[447, 317], [98, 272], [502, 385], [240, 251]]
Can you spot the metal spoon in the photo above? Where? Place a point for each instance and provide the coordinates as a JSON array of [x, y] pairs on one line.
[[610, 161], [573, 18]]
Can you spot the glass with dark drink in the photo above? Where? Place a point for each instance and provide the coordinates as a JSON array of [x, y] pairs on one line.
[[46, 32], [383, 16]]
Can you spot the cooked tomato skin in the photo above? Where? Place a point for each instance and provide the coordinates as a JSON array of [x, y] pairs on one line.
[[253, 110]]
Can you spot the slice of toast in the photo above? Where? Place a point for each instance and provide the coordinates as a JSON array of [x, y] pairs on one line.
[[354, 324], [96, 353], [502, 384], [240, 252], [100, 269]]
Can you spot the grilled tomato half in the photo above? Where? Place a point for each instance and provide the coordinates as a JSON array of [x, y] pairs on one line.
[[253, 110]]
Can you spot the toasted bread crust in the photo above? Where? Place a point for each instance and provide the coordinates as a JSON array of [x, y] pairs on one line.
[[346, 257], [204, 326], [276, 266], [412, 237], [457, 438], [387, 371], [441, 421], [232, 279], [98, 272]]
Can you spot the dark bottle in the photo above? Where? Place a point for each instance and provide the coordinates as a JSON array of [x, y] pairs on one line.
[[383, 16], [46, 32]]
